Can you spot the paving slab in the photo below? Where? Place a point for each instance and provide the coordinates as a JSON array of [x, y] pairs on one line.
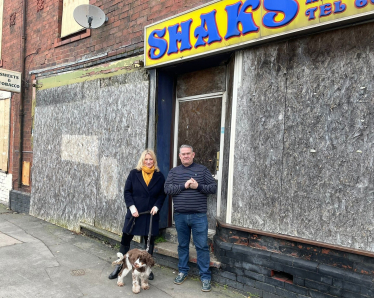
[[6, 240], [39, 259]]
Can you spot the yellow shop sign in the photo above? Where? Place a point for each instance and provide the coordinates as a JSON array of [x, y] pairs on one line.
[[229, 24]]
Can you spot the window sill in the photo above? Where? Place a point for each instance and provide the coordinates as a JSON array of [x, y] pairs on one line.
[[60, 42]]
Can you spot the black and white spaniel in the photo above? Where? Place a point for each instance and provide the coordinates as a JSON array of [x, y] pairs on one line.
[[140, 262]]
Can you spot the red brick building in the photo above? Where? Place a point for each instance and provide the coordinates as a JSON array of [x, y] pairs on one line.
[[46, 51], [282, 121]]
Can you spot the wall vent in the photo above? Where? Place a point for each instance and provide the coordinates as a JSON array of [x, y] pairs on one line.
[[282, 276]]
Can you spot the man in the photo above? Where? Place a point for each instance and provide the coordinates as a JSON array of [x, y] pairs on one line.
[[189, 184]]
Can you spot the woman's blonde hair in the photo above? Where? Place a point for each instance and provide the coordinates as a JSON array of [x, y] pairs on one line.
[[142, 158]]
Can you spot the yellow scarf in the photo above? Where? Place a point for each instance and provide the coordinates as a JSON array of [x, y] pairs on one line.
[[147, 174]]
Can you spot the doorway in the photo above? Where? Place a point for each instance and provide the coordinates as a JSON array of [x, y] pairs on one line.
[[200, 122]]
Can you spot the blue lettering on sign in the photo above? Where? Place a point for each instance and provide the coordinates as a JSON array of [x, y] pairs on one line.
[[183, 37], [361, 3], [236, 14], [157, 43], [340, 7], [310, 1], [311, 13], [290, 9], [208, 29], [325, 10]]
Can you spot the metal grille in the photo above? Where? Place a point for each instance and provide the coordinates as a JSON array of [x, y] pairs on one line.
[[78, 272]]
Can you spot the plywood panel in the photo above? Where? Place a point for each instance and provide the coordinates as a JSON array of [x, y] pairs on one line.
[[26, 173], [104, 123], [69, 25], [2, 130], [4, 133], [205, 81], [304, 149]]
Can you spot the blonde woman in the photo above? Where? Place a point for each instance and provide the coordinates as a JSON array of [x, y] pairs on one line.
[[144, 193]]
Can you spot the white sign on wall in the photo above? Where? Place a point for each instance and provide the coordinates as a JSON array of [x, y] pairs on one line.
[[10, 80]]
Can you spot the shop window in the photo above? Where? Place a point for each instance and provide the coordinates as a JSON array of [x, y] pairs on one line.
[[4, 129], [68, 25]]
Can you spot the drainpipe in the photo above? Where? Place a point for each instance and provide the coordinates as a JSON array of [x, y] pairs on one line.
[[22, 95]]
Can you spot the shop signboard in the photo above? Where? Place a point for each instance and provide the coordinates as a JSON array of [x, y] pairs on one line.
[[229, 24], [10, 80]]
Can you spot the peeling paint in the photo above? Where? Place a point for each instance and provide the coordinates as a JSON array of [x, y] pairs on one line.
[[98, 72]]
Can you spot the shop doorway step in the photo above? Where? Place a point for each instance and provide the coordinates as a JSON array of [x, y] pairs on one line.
[[166, 253]]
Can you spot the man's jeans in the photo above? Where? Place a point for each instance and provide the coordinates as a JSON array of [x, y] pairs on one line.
[[198, 223]]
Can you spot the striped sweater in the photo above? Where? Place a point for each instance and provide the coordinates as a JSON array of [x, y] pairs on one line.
[[190, 200]]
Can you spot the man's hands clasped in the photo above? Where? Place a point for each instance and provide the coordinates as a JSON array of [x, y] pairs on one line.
[[192, 183]]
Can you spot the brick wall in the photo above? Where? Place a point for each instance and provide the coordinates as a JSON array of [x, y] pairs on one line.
[[268, 267], [125, 28], [121, 35], [5, 187]]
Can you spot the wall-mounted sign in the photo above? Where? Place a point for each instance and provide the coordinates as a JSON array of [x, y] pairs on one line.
[[229, 24], [10, 80]]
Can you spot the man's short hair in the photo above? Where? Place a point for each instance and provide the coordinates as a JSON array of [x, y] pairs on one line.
[[185, 146]]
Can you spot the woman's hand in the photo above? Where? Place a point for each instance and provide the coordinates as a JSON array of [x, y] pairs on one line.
[[154, 210], [134, 211], [135, 214]]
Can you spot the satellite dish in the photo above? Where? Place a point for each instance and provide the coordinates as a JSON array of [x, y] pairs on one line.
[[89, 16]]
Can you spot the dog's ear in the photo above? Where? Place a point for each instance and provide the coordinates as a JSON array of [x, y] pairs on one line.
[[149, 260], [133, 255]]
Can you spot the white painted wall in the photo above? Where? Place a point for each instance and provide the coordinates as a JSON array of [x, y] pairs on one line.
[[5, 187]]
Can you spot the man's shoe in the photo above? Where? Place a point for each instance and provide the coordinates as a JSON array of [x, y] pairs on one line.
[[206, 286], [181, 277], [151, 276], [115, 272]]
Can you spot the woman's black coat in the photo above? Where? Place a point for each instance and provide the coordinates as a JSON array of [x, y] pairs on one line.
[[144, 198]]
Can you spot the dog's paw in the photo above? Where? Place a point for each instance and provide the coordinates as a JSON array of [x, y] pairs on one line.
[[136, 289], [120, 284], [145, 286]]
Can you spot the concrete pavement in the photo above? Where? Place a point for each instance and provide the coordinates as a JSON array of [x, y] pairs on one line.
[[39, 259]]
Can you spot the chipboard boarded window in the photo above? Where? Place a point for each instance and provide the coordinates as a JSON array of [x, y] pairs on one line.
[[69, 25], [4, 133]]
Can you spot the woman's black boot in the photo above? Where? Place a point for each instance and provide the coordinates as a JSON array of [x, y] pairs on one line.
[[123, 250], [115, 272]]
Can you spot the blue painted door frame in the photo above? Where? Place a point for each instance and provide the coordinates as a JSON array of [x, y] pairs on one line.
[[164, 131]]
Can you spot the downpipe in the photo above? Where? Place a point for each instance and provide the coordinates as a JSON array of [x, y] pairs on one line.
[[22, 95]]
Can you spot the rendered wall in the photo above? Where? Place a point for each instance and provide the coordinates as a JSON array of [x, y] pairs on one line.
[[5, 187], [305, 138], [87, 138]]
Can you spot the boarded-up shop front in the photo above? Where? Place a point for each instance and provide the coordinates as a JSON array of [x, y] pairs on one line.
[[90, 128], [295, 208]]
